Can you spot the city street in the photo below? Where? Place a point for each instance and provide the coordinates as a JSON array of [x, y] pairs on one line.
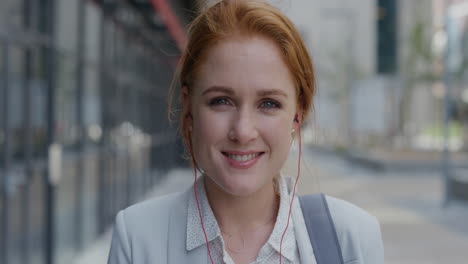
[[379, 90], [416, 229]]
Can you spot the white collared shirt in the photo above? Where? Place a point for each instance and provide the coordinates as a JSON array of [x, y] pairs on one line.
[[269, 253]]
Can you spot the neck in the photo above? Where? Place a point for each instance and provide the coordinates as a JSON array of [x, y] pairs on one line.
[[235, 213]]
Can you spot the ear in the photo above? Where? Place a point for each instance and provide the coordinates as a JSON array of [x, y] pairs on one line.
[[298, 118]]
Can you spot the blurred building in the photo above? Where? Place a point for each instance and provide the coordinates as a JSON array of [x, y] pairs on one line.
[[380, 72], [392, 79], [83, 119]]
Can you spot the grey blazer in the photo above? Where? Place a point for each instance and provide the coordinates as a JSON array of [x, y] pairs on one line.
[[154, 232]]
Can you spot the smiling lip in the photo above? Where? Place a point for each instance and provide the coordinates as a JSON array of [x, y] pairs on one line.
[[242, 159]]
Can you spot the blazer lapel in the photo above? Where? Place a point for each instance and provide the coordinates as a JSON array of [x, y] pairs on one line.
[[176, 244]]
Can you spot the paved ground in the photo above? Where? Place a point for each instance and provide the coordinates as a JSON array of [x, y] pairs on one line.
[[416, 229]]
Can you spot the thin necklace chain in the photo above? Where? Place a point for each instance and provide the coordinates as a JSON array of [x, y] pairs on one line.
[[230, 234], [253, 230], [277, 198]]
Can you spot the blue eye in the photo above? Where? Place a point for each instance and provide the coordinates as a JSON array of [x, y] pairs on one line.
[[270, 104], [219, 101]]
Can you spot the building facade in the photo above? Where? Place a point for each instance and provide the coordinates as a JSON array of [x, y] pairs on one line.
[[83, 120]]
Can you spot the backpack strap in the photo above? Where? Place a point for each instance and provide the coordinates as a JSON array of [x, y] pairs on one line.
[[321, 229]]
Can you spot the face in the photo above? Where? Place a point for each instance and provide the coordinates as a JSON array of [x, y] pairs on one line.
[[243, 106]]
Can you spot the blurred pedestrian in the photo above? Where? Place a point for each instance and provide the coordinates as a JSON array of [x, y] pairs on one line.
[[247, 84]]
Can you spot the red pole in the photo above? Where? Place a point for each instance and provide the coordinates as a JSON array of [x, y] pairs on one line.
[[171, 21]]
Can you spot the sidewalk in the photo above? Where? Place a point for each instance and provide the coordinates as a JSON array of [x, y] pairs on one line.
[[407, 160], [415, 228], [410, 162]]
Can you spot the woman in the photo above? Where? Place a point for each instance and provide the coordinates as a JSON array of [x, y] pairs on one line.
[[247, 83]]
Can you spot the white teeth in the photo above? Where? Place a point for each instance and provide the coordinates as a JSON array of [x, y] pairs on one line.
[[243, 158]]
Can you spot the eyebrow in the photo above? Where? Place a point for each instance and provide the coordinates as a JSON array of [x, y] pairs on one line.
[[230, 91], [271, 92], [221, 89]]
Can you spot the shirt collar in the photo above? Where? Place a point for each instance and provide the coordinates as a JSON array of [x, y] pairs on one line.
[[289, 241], [196, 238], [195, 235]]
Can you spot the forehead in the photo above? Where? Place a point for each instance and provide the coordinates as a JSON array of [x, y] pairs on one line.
[[245, 64]]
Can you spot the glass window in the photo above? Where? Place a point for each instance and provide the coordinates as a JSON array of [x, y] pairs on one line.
[[2, 92], [11, 13], [38, 106], [66, 126], [66, 29], [93, 37], [66, 25], [92, 106], [16, 102], [91, 93], [387, 36]]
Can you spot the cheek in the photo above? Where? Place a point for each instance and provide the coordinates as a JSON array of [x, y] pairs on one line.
[[280, 124], [277, 132], [208, 128]]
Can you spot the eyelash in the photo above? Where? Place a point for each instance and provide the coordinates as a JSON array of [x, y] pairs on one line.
[[275, 104], [217, 102]]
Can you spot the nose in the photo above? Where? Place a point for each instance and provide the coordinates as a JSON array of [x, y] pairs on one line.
[[243, 128]]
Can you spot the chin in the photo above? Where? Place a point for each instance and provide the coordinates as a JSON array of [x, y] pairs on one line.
[[239, 191], [239, 186]]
